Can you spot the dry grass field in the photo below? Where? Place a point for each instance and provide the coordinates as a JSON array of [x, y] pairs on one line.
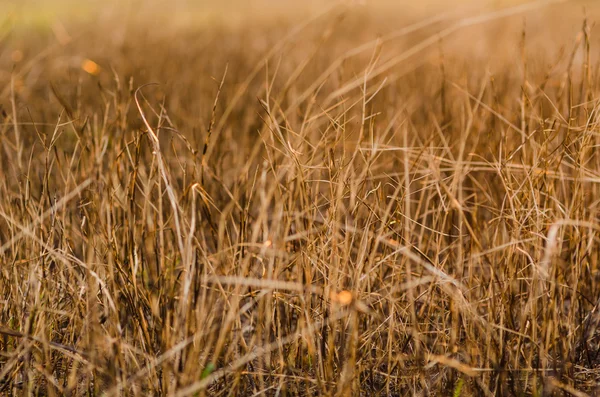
[[285, 198]]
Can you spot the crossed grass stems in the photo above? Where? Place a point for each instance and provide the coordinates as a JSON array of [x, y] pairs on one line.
[[383, 231]]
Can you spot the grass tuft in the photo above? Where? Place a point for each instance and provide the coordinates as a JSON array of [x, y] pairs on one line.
[[357, 202]]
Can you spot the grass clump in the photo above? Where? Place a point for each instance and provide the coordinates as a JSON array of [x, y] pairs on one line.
[[334, 206]]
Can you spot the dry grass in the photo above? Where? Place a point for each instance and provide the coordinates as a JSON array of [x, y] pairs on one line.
[[354, 203]]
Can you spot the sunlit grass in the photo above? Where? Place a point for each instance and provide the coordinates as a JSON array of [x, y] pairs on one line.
[[299, 198]]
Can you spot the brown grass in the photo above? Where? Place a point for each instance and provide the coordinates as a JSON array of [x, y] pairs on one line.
[[353, 203]]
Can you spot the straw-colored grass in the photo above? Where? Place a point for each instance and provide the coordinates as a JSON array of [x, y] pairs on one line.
[[354, 202]]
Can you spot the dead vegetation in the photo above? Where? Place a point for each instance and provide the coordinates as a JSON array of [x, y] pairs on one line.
[[326, 207]]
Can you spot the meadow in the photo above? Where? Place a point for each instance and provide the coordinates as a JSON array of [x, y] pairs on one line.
[[337, 198]]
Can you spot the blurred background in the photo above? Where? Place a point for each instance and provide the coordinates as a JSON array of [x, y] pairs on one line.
[[183, 44], [41, 13]]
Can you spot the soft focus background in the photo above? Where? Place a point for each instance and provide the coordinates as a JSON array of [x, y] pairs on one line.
[[263, 197]]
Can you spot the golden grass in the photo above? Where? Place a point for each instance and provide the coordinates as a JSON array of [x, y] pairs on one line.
[[355, 202]]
